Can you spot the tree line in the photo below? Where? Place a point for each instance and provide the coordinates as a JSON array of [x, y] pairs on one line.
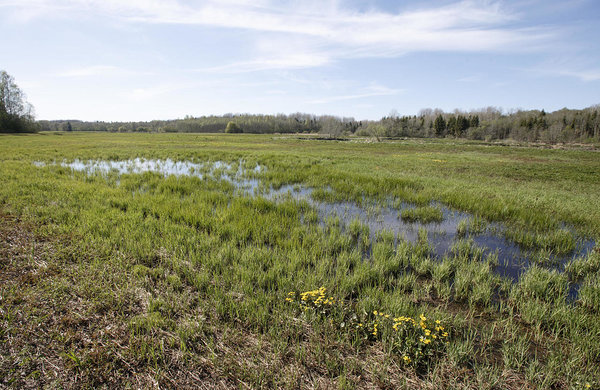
[[490, 123], [230, 123], [485, 124]]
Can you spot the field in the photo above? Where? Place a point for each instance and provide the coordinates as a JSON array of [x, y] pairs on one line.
[[287, 262]]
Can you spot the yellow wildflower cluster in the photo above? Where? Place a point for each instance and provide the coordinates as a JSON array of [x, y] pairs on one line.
[[415, 340], [378, 313], [291, 296], [399, 321], [375, 329], [426, 335], [314, 298]]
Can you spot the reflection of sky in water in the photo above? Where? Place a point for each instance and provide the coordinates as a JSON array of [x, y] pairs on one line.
[[512, 260], [166, 167]]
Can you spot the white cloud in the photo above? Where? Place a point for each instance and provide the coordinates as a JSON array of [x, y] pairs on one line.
[[102, 70], [321, 31], [572, 66], [293, 61], [583, 74], [147, 93], [370, 91], [93, 71]]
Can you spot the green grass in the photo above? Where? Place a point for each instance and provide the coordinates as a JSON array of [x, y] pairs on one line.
[[473, 225], [424, 214], [141, 280]]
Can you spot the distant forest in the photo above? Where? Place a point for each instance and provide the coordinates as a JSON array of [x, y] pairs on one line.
[[485, 124]]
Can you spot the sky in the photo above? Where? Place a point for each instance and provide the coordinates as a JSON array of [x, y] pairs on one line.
[[137, 60]]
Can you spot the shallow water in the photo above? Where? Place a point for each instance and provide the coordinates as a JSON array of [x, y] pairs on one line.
[[166, 167], [512, 259], [216, 169]]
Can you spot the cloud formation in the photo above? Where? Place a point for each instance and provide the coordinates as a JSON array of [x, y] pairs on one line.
[[315, 33]]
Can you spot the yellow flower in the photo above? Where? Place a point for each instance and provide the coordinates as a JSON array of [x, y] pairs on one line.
[[375, 312], [374, 330], [423, 318], [406, 359]]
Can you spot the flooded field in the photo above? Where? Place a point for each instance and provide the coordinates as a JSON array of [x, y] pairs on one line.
[[443, 236]]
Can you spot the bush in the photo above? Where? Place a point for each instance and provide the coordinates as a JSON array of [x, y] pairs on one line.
[[232, 127]]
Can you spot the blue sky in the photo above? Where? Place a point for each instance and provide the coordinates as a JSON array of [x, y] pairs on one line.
[[164, 59]]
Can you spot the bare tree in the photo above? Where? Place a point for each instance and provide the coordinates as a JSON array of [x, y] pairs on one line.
[[331, 126]]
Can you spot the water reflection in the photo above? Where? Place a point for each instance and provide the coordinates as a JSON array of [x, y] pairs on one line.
[[512, 259], [166, 167]]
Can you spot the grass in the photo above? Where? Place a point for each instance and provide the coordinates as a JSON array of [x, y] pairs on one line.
[[145, 281], [473, 225], [424, 214]]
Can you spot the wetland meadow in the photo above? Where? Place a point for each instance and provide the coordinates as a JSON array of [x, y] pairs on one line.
[[270, 261]]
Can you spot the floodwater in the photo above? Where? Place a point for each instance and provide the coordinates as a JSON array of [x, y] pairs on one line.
[[166, 167], [512, 259]]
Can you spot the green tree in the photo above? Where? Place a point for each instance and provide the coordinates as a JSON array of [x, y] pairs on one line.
[[232, 127], [474, 121], [16, 115], [377, 131], [439, 126], [451, 125], [460, 126]]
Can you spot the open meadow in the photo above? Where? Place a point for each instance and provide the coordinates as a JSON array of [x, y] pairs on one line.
[[268, 261]]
